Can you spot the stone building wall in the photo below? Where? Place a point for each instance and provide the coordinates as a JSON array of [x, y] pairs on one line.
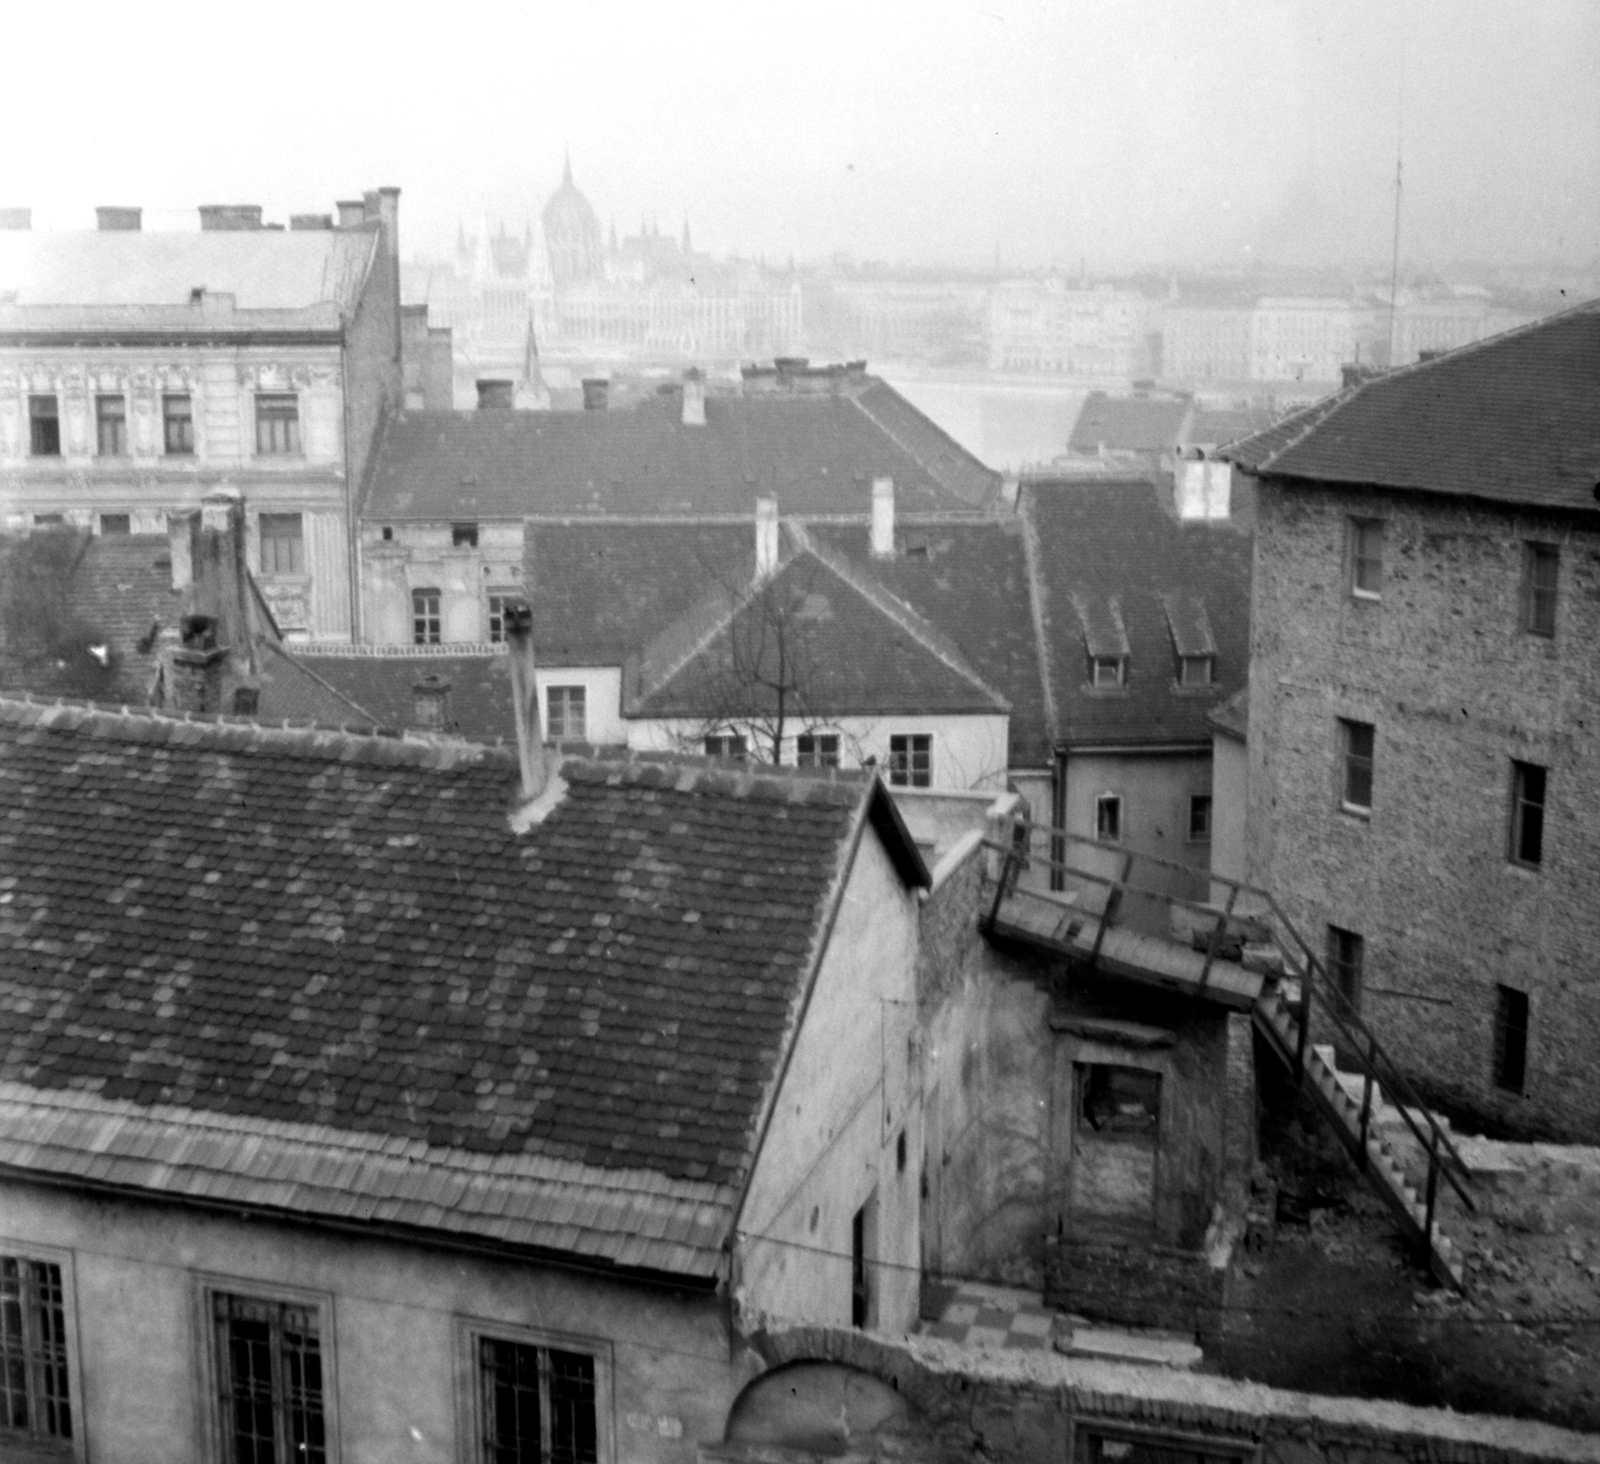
[[1456, 690]]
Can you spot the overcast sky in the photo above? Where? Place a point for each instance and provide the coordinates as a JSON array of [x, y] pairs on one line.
[[1120, 132]]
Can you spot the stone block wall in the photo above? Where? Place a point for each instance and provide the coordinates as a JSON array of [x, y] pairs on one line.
[[1456, 690]]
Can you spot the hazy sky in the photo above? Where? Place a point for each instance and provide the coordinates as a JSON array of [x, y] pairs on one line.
[[1121, 132]]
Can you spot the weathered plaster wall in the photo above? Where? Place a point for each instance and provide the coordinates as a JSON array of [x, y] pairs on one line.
[[852, 1088], [937, 820], [1455, 690], [422, 555], [390, 1320], [1230, 795]]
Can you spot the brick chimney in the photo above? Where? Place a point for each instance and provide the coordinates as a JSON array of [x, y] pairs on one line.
[[694, 397], [531, 758], [596, 391], [225, 217], [352, 211], [430, 704], [496, 394], [16, 218], [109, 220], [766, 537], [883, 518], [194, 667]]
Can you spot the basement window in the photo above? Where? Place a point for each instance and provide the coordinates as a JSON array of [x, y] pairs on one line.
[[1510, 1039]]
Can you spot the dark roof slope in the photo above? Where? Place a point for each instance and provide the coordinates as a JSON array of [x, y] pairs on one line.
[[323, 929], [480, 706], [816, 454], [1119, 570], [1143, 424], [1511, 419], [971, 581]]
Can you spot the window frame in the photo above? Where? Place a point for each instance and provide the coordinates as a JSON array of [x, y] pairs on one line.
[[1359, 525], [116, 419], [732, 746], [1113, 802], [44, 1446], [1506, 1000], [36, 418], [494, 613], [1119, 672], [1199, 802], [169, 418], [819, 754], [269, 407], [464, 535], [1520, 804], [567, 689], [1345, 952], [1535, 553], [208, 1287], [903, 769], [471, 1330], [1350, 760], [1207, 665], [122, 524], [297, 541], [427, 625]]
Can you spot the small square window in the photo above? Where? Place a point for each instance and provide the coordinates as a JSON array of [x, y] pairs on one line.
[[283, 549], [44, 426], [111, 425], [269, 1371], [1541, 568], [463, 536], [1199, 817], [1356, 748], [35, 1389], [114, 524], [911, 760], [177, 424], [817, 750], [1510, 1039], [426, 624], [726, 744], [1108, 817], [1527, 813], [568, 713], [1366, 558], [277, 424], [1107, 670], [1195, 671]]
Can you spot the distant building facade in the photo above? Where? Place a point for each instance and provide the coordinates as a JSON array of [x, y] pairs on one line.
[[1048, 327]]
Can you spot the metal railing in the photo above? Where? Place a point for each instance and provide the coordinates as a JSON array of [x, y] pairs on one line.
[[1230, 925]]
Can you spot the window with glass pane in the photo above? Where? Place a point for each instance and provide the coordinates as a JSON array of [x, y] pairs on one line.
[[536, 1404], [111, 425], [1108, 816], [1108, 670], [35, 1395], [1366, 557], [269, 1378], [277, 424], [1356, 741], [1541, 568], [726, 744], [497, 615], [426, 623], [177, 423], [282, 544], [817, 749], [1346, 956], [1527, 813], [911, 760], [44, 426], [1196, 671], [568, 714]]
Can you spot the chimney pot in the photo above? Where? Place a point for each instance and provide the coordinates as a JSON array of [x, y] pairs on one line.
[[352, 211], [694, 397], [430, 704], [16, 218], [766, 537], [883, 518], [226, 217], [496, 394], [596, 391], [110, 220]]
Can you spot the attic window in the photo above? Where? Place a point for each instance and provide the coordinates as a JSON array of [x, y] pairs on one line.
[[1195, 671], [463, 536], [1108, 670]]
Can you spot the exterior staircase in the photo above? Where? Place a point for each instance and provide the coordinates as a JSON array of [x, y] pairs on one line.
[[1078, 899]]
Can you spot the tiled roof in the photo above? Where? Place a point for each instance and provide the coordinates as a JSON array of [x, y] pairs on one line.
[[821, 625], [1142, 424], [263, 269], [310, 928], [1116, 566], [1214, 426], [970, 580], [815, 454], [1510, 419], [480, 706]]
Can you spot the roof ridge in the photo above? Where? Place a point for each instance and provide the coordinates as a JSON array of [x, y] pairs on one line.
[[1039, 609], [994, 475], [693, 630], [327, 686]]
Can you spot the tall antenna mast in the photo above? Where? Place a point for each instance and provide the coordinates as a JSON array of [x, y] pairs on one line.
[[1399, 148]]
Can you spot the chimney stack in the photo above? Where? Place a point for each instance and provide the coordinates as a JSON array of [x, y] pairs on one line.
[[883, 518], [221, 579], [195, 667], [110, 220], [16, 218], [430, 704], [766, 537], [179, 541], [596, 390], [694, 397], [525, 699], [299, 222], [352, 211], [229, 217], [496, 394]]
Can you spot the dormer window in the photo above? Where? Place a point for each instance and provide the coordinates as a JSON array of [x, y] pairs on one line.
[[1108, 670], [1194, 671]]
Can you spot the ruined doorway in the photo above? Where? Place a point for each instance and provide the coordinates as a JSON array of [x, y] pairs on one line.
[[1115, 1135]]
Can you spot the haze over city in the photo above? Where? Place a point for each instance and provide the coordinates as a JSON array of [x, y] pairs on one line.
[[1110, 135]]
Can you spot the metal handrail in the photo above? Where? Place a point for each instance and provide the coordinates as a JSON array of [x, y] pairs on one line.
[[1316, 983]]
